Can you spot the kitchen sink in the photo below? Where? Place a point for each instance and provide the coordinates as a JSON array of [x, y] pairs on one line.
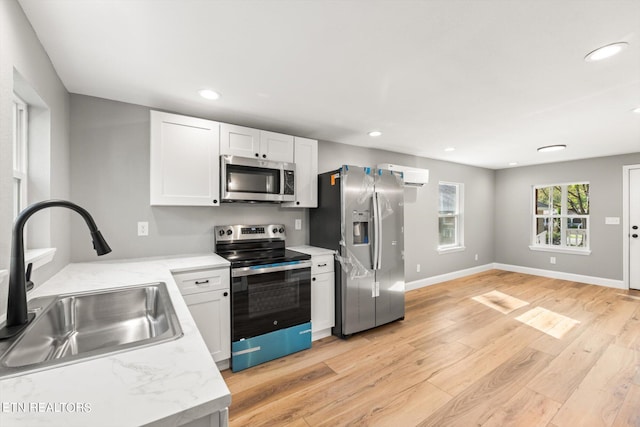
[[73, 327]]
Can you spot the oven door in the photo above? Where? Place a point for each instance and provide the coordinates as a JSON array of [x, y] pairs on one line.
[[267, 298]]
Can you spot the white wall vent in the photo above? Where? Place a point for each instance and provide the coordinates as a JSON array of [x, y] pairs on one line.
[[414, 177]]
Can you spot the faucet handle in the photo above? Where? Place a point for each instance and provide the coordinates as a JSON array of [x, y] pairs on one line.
[[29, 283]]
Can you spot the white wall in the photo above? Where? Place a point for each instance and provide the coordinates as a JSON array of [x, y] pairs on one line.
[[21, 52]]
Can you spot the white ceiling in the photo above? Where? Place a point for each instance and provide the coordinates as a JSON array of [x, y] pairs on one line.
[[494, 79]]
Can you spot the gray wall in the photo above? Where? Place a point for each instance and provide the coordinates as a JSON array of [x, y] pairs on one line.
[[421, 208], [110, 178], [513, 215], [23, 55]]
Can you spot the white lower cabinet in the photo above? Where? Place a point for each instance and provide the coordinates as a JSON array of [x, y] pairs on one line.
[[322, 296], [206, 293], [217, 419]]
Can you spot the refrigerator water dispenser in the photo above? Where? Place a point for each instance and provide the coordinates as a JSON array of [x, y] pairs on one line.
[[361, 221]]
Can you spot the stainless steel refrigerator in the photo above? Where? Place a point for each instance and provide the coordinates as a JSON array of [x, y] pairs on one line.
[[360, 215]]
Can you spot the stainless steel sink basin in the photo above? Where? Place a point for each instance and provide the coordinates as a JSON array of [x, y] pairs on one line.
[[72, 327]]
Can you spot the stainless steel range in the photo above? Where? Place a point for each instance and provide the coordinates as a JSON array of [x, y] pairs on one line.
[[270, 293]]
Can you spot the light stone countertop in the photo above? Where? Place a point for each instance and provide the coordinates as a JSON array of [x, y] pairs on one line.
[[167, 384]]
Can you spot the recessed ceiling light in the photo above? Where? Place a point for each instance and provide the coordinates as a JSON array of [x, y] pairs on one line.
[[375, 133], [450, 149], [636, 110], [209, 94], [605, 52], [549, 148], [513, 163]]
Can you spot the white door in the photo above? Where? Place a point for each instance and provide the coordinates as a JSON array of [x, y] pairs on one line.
[[210, 310], [634, 228]]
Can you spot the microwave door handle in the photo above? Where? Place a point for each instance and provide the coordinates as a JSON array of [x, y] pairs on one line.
[[282, 183]]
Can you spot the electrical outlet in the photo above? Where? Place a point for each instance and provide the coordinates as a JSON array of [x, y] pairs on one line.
[[143, 228], [476, 257], [298, 224], [418, 268], [552, 260]]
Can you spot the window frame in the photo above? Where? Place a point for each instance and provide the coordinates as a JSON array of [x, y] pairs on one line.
[[20, 154], [563, 217], [458, 244]]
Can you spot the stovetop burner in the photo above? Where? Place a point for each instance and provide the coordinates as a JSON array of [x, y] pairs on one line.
[[250, 245]]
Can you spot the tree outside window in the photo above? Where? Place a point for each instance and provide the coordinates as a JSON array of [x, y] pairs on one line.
[[561, 216]]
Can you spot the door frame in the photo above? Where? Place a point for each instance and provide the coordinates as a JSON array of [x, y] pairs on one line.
[[625, 223]]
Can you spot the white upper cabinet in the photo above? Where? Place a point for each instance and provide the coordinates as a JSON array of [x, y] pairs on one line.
[[276, 146], [247, 142], [185, 166], [239, 140], [306, 160]]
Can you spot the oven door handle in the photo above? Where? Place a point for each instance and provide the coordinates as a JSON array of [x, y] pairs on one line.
[[258, 269]]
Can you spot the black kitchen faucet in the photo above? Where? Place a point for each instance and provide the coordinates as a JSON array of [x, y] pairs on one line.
[[17, 316]]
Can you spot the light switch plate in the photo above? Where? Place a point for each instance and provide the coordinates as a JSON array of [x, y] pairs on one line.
[[612, 220]]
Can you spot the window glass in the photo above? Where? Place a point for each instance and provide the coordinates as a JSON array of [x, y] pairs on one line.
[[561, 216]]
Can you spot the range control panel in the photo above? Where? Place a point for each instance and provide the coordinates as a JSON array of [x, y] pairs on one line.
[[229, 233]]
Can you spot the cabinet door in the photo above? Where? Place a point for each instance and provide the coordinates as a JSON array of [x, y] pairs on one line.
[[322, 302], [211, 312], [185, 169], [306, 159], [239, 141], [276, 146]]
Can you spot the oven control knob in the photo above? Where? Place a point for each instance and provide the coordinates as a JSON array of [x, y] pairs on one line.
[[221, 232], [281, 230], [229, 232], [275, 230]]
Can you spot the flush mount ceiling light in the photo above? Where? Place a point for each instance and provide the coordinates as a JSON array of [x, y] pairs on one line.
[[513, 163], [209, 94], [449, 149], [549, 148], [636, 110], [375, 133], [605, 52]]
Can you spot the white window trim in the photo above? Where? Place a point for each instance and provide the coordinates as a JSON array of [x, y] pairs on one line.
[[20, 148], [562, 248], [459, 245]]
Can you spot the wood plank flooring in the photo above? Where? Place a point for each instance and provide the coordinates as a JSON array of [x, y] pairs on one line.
[[460, 361]]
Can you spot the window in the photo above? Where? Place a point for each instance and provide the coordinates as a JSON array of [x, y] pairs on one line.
[[561, 217], [20, 139], [450, 226]]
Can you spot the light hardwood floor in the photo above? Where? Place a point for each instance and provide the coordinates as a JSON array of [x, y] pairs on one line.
[[538, 352]]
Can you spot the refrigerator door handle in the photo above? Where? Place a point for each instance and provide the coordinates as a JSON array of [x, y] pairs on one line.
[[376, 236], [378, 225]]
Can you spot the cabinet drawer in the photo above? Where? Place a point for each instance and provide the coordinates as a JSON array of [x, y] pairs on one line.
[[322, 264], [193, 282]]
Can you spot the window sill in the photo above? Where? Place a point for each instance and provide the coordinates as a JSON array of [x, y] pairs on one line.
[[451, 249], [39, 257], [560, 250]]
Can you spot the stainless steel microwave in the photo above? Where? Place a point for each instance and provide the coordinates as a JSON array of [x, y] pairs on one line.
[[244, 179]]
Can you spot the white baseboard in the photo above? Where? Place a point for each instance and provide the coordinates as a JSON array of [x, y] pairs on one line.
[[600, 281], [421, 283], [610, 283]]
